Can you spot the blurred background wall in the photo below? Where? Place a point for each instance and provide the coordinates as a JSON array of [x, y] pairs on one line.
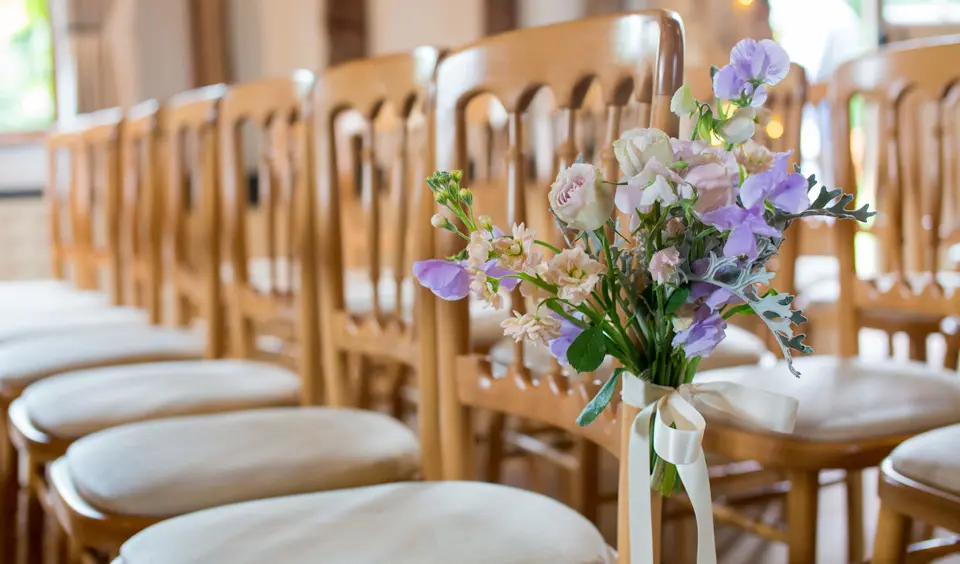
[[73, 56]]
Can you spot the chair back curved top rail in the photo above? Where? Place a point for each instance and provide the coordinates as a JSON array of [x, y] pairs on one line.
[[262, 277], [367, 246], [916, 97], [96, 202], [140, 211], [192, 205], [635, 55]]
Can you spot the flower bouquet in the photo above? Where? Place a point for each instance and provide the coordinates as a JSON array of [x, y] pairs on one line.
[[653, 285]]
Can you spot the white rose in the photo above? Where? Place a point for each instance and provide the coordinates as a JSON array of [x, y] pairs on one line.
[[580, 198], [637, 146], [740, 127], [683, 102]]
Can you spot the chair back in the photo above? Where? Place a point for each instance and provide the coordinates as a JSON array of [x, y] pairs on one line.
[[192, 204], [262, 281], [96, 203], [635, 56], [140, 207], [68, 235], [912, 181], [368, 245]]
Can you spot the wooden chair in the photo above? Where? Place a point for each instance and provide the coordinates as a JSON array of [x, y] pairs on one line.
[[516, 525], [854, 412], [222, 458], [918, 482]]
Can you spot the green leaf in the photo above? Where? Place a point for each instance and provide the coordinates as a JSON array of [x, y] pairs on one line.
[[677, 299], [706, 125], [587, 351], [601, 400]]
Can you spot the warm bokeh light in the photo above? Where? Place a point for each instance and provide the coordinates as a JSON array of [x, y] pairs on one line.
[[745, 2], [774, 129]]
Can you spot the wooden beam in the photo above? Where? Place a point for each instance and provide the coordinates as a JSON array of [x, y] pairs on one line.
[[501, 16], [208, 38], [346, 24]]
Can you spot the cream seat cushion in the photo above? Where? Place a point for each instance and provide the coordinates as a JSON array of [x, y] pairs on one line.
[[406, 523], [739, 348], [932, 458], [173, 466], [47, 295], [71, 320], [76, 404], [24, 361], [850, 399]]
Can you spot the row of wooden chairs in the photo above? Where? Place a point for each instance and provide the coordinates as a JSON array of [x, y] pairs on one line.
[[128, 444]]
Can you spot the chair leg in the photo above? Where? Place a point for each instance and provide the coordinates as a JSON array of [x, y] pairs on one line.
[[9, 501], [495, 427], [855, 552], [583, 484], [35, 517], [802, 506], [890, 545]]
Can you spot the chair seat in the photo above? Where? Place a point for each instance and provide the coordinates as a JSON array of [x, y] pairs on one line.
[[739, 348], [406, 523], [76, 404], [24, 361], [173, 466], [932, 458], [37, 323], [850, 399], [47, 295]]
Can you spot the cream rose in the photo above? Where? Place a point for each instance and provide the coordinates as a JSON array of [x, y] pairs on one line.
[[637, 146], [580, 198]]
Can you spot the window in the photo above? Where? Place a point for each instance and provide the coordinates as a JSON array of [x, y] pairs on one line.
[[26, 66], [921, 12]]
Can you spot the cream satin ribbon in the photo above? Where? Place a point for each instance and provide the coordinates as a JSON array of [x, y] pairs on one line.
[[682, 447]]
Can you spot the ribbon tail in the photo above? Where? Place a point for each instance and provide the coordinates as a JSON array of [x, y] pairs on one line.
[[641, 526], [696, 482]]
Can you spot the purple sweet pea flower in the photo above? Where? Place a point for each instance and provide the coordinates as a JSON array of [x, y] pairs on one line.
[[706, 332], [448, 280], [568, 333], [787, 192], [494, 271], [743, 225], [727, 83], [751, 62], [762, 61]]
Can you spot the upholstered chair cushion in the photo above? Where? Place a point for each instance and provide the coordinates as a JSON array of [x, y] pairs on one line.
[[406, 523], [76, 404], [932, 458], [46, 295], [25, 361], [173, 466], [70, 321], [739, 348], [850, 399]]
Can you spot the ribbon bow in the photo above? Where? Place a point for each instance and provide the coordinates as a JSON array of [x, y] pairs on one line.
[[677, 438]]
